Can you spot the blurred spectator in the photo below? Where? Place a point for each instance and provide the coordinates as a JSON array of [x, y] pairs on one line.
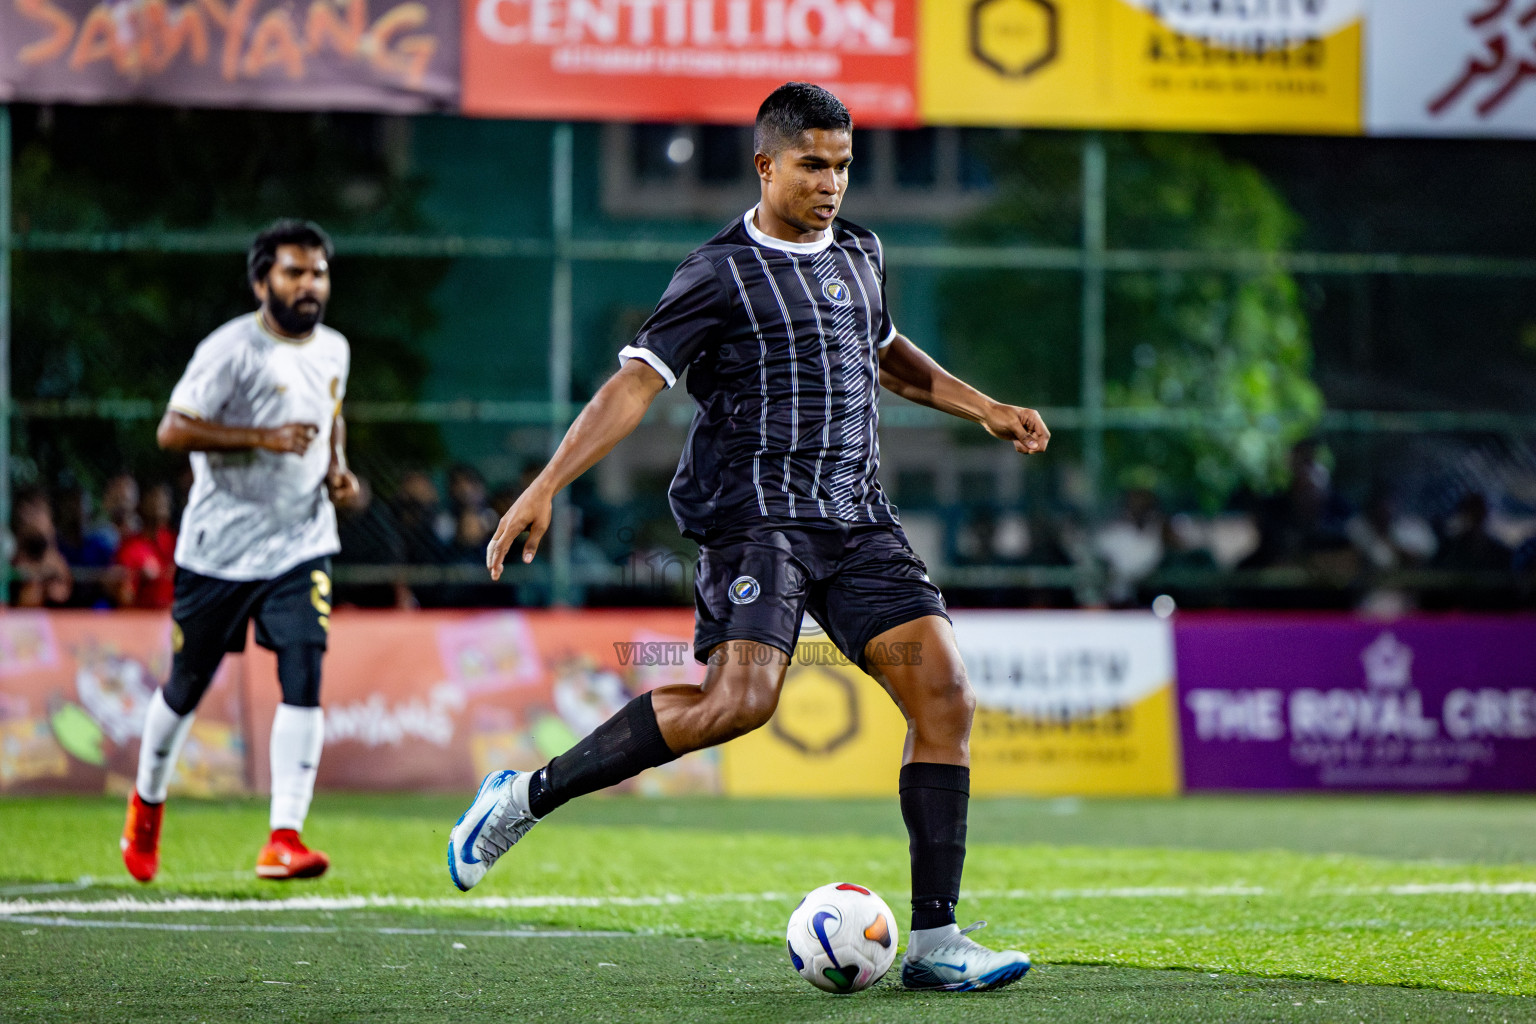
[[81, 547], [1387, 537], [43, 576], [1186, 547], [144, 573], [471, 535], [370, 536], [425, 526], [1189, 571], [1130, 545], [1305, 520], [1467, 545], [984, 537], [473, 519], [120, 512]]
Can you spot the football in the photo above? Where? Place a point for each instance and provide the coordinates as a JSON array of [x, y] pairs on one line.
[[842, 937]]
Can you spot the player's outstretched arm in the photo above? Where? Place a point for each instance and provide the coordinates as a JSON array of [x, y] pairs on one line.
[[179, 432], [613, 413], [910, 372]]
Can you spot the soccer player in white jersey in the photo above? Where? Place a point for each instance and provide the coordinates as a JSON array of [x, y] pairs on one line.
[[781, 326], [259, 409]]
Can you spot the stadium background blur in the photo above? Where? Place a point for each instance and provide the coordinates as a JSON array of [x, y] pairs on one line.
[[1363, 442]]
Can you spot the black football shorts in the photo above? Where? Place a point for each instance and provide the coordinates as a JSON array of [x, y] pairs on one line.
[[757, 578], [291, 610]]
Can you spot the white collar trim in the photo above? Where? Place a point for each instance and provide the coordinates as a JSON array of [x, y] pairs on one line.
[[803, 248]]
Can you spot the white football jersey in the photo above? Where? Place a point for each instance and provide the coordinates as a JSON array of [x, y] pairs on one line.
[[253, 515]]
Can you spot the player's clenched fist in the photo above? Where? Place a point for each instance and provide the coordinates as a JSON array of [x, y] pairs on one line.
[[532, 512], [1023, 427], [342, 486], [290, 438]]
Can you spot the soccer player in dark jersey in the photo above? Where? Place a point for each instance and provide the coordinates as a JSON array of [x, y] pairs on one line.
[[780, 322]]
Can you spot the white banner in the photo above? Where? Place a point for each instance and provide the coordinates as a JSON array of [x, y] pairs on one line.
[[1451, 67], [1053, 664]]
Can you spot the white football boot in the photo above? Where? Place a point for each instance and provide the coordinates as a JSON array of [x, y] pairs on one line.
[[960, 964], [497, 819]]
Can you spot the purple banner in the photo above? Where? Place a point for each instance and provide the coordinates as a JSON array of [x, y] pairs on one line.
[[291, 54], [1332, 703]]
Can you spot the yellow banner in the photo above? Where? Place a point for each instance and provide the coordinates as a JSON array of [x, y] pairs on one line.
[[1129, 751], [835, 733], [1150, 64], [1067, 703]]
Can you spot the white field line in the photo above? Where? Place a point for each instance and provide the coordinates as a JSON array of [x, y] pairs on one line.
[[299, 929], [1186, 892], [193, 904]]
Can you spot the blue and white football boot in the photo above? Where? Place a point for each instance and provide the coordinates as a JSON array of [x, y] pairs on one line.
[[497, 819], [960, 964]]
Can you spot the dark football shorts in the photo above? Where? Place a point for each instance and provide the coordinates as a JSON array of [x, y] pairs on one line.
[[290, 610], [756, 579]]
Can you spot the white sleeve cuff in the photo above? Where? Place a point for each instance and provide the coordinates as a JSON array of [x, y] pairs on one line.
[[889, 337], [651, 359]]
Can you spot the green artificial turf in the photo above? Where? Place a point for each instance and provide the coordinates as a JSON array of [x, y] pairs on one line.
[[1201, 909]]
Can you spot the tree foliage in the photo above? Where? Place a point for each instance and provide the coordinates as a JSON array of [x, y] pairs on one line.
[[1231, 349], [122, 324]]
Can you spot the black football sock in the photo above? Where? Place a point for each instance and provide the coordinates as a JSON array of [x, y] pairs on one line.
[[934, 799], [621, 748]]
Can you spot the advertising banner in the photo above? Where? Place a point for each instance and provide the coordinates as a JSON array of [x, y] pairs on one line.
[[710, 61], [74, 688], [1067, 703], [1331, 704], [388, 55], [835, 733], [428, 700], [436, 700], [1158, 64], [1452, 67], [1071, 702]]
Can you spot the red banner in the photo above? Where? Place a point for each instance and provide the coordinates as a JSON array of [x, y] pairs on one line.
[[395, 55], [707, 61]]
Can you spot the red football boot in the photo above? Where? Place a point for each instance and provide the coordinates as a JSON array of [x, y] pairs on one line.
[[141, 838], [285, 856]]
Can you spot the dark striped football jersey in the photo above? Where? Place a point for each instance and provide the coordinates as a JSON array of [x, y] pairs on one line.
[[781, 345]]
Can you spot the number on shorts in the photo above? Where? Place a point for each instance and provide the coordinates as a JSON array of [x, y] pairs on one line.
[[320, 597]]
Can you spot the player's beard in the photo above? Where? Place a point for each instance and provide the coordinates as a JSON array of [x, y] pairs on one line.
[[298, 319]]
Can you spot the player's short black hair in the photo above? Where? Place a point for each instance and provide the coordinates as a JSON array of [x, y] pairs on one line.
[[288, 231], [793, 109]]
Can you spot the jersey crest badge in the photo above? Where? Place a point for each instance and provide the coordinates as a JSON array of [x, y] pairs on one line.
[[836, 291], [744, 590]]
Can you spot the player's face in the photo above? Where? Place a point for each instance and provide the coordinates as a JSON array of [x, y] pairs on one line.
[[804, 183], [296, 289]]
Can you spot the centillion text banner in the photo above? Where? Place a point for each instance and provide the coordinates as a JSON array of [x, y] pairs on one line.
[[700, 61]]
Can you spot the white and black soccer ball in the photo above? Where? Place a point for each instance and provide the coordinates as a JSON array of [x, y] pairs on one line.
[[842, 937]]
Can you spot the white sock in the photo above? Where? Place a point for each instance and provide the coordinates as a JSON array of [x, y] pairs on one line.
[[297, 736], [922, 941], [164, 733]]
